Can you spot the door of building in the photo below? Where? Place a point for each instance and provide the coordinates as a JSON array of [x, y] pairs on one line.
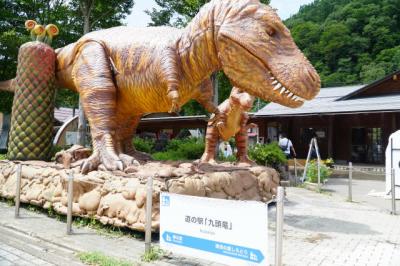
[[366, 145]]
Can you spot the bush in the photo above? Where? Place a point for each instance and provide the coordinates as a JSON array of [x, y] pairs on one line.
[[329, 162], [181, 149], [230, 158], [143, 145], [312, 172], [168, 156], [269, 155], [3, 156]]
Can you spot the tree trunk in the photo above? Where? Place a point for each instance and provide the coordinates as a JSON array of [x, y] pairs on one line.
[[214, 79], [86, 7]]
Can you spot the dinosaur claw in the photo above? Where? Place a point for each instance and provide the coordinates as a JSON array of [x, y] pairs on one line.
[[90, 164], [128, 160], [120, 165]]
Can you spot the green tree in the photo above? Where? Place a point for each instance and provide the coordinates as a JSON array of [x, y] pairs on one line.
[[349, 41], [64, 13]]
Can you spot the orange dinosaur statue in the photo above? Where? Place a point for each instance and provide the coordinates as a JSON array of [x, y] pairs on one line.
[[232, 122], [122, 73]]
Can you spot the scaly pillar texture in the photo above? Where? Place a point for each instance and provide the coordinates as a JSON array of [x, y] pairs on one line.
[[32, 113]]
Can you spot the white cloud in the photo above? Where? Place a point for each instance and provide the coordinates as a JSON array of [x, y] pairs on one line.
[[138, 18], [287, 8]]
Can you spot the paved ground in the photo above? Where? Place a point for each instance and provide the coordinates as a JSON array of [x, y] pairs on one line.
[[323, 229], [361, 191], [320, 229]]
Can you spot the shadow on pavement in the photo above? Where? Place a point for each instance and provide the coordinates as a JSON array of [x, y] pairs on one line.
[[322, 224]]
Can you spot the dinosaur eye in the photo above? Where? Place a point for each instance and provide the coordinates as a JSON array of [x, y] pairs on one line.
[[270, 31]]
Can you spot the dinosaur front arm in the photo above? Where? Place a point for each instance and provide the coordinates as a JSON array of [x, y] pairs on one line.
[[169, 68]]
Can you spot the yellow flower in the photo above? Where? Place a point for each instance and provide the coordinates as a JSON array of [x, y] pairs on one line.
[[52, 30], [30, 24], [39, 30]]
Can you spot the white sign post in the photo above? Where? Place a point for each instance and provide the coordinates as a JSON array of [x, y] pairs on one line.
[[393, 162], [224, 231]]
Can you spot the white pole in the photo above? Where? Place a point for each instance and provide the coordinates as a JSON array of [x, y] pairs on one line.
[[350, 182], [18, 191], [308, 159], [295, 169], [319, 164], [70, 202], [279, 226], [149, 203], [393, 191]]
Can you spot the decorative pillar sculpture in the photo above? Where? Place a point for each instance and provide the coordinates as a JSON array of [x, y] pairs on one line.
[[34, 87]]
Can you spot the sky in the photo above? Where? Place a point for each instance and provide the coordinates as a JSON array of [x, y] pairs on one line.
[[138, 18]]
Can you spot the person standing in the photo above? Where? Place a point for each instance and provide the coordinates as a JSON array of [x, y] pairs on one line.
[[287, 146]]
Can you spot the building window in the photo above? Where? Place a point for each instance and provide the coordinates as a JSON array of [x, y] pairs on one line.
[[366, 145]]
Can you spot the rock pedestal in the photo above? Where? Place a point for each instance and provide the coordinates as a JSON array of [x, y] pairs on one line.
[[119, 198]]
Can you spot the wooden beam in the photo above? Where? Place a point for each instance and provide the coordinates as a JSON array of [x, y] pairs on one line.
[[330, 136]]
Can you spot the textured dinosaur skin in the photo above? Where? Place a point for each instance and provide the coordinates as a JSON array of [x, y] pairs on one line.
[[232, 122], [122, 73]]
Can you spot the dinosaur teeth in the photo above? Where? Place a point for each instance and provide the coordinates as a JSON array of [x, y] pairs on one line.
[[277, 86], [290, 95], [283, 90], [295, 97], [274, 82]]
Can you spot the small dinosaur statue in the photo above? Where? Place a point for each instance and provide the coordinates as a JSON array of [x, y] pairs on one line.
[[233, 122], [122, 73]]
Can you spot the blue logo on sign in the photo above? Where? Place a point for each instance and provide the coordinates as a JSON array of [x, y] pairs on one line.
[[165, 201], [237, 252]]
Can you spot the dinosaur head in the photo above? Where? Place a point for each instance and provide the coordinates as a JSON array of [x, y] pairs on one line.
[[258, 54], [241, 99]]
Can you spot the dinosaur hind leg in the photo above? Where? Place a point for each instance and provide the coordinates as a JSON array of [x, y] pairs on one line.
[[93, 79], [126, 151]]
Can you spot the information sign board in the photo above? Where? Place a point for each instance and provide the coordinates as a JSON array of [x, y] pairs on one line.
[[225, 231]]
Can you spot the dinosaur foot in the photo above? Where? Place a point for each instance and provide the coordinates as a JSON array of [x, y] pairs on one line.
[[107, 160], [128, 160], [207, 159], [245, 161]]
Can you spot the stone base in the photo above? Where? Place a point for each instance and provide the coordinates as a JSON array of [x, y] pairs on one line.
[[119, 198]]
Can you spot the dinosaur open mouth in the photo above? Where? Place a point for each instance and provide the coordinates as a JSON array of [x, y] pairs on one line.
[[282, 91]]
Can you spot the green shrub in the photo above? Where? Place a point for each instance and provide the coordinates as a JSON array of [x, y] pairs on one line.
[[312, 172], [230, 158], [181, 149], [3, 156], [168, 156], [143, 145], [268, 154]]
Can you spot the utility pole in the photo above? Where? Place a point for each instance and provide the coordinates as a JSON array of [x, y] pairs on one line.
[[214, 78], [86, 8]]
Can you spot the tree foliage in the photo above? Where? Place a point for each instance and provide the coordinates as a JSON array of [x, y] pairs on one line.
[[66, 14], [349, 41]]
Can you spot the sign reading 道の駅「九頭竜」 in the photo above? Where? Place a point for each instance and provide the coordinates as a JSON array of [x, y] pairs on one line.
[[226, 231]]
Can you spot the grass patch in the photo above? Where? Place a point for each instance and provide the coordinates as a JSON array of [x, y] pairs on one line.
[[155, 253], [106, 230], [99, 259], [3, 156]]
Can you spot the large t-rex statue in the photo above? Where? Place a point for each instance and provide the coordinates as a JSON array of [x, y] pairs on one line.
[[122, 73]]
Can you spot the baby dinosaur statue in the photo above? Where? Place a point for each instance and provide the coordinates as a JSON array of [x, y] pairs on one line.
[[122, 73], [233, 113]]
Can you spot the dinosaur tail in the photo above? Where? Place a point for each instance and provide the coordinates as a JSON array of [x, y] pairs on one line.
[[7, 85]]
